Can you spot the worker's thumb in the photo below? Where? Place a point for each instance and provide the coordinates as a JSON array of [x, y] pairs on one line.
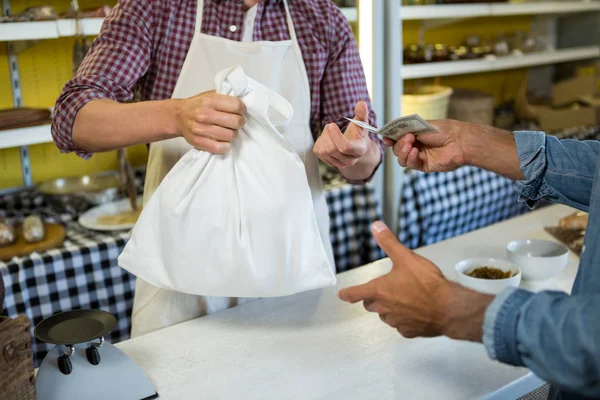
[[388, 242], [361, 112]]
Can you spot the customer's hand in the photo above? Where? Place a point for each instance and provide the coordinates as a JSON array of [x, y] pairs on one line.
[[209, 121], [407, 297], [343, 150], [432, 152], [416, 299]]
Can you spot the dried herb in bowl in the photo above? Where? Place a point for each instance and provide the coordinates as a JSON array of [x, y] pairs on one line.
[[489, 273]]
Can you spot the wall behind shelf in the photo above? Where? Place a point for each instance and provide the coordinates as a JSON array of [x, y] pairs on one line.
[[44, 69], [503, 85]]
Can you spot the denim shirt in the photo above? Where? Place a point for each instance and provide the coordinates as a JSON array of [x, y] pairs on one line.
[[555, 335]]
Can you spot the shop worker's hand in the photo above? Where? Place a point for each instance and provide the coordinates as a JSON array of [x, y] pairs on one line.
[[343, 150], [408, 297], [432, 152], [209, 121]]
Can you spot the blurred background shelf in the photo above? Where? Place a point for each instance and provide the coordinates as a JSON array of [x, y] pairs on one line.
[[351, 13], [25, 136], [40, 30], [88, 26], [14, 31], [429, 70], [451, 11]]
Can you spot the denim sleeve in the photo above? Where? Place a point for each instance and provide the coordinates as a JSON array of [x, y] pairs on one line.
[[559, 171], [555, 335]]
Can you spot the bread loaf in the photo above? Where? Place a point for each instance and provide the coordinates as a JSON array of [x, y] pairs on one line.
[[33, 229], [574, 222], [7, 233]]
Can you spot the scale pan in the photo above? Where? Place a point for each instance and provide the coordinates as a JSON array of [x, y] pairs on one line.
[[77, 326]]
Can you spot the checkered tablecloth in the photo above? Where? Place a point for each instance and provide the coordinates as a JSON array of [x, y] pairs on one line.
[[83, 273], [438, 206]]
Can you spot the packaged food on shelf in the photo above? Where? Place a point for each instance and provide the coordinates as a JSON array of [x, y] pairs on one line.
[[501, 46], [456, 53], [100, 12], [474, 47], [522, 42], [43, 13], [440, 52], [416, 54]]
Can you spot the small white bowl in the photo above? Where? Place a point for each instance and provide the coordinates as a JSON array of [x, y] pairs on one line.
[[491, 286], [538, 259]]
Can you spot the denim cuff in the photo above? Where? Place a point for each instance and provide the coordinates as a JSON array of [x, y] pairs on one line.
[[500, 325], [531, 149]]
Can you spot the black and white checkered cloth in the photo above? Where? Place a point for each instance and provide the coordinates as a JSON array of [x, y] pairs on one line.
[[352, 210], [83, 273], [438, 206], [18, 205]]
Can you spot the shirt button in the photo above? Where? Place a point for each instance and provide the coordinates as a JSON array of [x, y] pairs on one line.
[[232, 28]]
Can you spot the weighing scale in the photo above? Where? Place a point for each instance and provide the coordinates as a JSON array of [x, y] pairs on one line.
[[82, 365]]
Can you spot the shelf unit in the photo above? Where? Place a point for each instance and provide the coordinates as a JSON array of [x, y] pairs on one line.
[[91, 26], [42, 30], [462, 11], [447, 68], [545, 21], [25, 136]]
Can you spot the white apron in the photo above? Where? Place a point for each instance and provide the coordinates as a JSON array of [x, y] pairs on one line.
[[280, 67]]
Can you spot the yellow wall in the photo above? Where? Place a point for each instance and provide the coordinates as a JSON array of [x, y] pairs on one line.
[[503, 84], [44, 69]]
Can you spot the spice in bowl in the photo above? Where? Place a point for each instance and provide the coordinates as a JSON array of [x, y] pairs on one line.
[[485, 272]]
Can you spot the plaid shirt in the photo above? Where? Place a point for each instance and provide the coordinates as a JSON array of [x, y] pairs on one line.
[[143, 43]]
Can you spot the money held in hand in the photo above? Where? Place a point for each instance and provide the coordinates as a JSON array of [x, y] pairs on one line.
[[399, 127]]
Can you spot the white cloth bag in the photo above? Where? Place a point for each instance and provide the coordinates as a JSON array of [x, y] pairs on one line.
[[240, 224]]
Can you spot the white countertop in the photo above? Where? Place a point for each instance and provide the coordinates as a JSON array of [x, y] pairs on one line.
[[313, 346]]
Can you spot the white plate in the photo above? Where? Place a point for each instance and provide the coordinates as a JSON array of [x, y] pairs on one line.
[[89, 219]]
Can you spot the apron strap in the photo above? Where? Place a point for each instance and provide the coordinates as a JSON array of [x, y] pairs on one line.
[[290, 23], [199, 12]]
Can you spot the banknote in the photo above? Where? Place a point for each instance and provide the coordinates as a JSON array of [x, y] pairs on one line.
[[399, 127]]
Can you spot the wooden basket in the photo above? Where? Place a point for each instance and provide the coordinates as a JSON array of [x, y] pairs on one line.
[[430, 101], [471, 106], [17, 380]]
